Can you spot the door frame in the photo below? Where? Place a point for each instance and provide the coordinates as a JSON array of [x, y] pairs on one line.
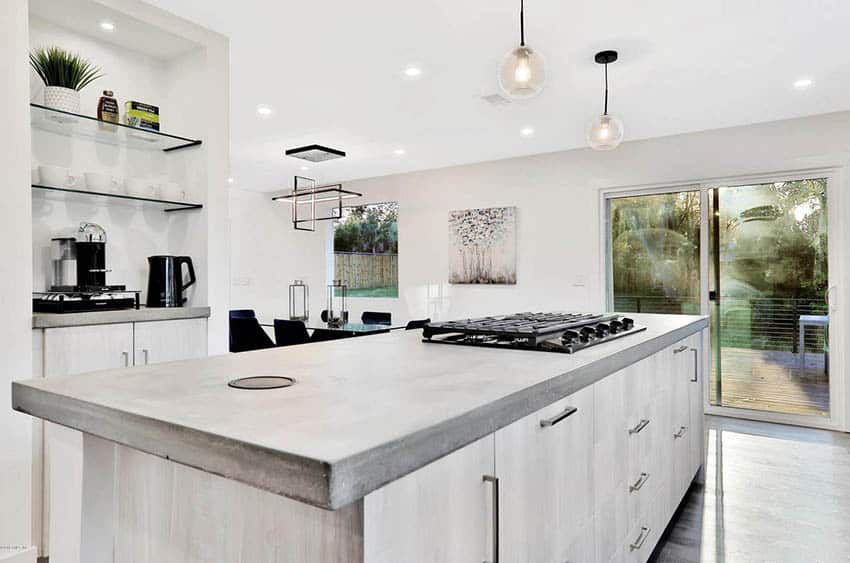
[[839, 238]]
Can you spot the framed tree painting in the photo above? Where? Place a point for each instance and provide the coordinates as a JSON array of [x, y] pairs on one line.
[[482, 246]]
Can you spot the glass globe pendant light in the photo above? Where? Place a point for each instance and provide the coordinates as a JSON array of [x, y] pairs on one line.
[[522, 73], [605, 132]]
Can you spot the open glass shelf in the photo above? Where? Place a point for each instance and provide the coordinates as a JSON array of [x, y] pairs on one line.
[[167, 205], [77, 125]]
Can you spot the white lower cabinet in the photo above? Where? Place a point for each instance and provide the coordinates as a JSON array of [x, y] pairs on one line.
[[442, 512], [544, 463], [593, 477], [68, 351]]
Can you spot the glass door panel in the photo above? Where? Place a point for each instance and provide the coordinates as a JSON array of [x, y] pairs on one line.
[[767, 289], [654, 253]]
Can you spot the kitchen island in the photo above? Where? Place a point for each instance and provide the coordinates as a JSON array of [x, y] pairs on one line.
[[388, 449]]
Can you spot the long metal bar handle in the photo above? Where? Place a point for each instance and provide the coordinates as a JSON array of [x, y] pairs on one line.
[[126, 356], [680, 349], [696, 365], [681, 432], [638, 543], [147, 354], [495, 482], [640, 426], [569, 411], [639, 483]]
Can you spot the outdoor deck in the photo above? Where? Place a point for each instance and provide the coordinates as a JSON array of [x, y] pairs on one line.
[[771, 381]]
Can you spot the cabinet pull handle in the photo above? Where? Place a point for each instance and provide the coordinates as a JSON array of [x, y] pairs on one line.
[[126, 356], [681, 432], [680, 349], [146, 353], [495, 482], [569, 411], [696, 365], [639, 483], [640, 426], [638, 543]]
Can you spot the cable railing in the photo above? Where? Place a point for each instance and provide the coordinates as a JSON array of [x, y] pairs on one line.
[[759, 323]]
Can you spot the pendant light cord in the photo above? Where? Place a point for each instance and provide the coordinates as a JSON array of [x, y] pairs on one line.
[[605, 108], [521, 23]]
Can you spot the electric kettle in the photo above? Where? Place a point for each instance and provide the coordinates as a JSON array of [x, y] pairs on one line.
[[165, 280]]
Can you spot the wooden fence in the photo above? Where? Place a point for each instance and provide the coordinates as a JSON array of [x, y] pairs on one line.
[[363, 271]]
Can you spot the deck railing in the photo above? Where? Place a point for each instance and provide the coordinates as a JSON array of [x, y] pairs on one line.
[[759, 323]]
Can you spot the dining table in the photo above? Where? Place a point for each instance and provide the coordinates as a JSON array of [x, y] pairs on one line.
[[352, 328]]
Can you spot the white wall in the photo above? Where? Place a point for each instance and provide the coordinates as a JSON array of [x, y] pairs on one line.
[[15, 281], [557, 196]]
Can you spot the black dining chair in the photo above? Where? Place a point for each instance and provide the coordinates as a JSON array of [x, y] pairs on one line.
[[376, 318], [243, 314], [415, 325], [288, 333], [325, 334], [246, 334]]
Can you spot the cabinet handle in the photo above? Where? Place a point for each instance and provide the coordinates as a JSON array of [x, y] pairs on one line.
[[696, 365], [681, 432], [640, 426], [680, 349], [126, 356], [495, 482], [569, 411], [146, 353], [639, 483], [638, 543]]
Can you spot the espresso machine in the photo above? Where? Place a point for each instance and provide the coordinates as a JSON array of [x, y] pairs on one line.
[[79, 276]]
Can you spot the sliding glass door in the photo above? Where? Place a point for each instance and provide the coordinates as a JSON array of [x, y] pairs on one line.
[[755, 257]]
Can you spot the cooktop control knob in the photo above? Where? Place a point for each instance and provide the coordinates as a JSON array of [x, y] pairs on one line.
[[587, 333], [615, 326], [602, 330], [569, 337], [628, 323]]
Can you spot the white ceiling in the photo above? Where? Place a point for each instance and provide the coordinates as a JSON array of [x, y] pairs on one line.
[[332, 70]]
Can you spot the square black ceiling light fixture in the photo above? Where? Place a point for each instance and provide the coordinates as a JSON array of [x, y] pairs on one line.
[[315, 153]]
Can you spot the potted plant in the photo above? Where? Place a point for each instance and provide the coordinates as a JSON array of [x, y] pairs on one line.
[[64, 74]]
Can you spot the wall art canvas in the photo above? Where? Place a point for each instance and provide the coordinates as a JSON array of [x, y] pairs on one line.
[[482, 246]]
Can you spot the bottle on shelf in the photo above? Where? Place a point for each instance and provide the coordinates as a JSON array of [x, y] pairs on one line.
[[107, 107]]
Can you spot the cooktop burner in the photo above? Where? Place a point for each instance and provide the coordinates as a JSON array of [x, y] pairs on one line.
[[550, 332]]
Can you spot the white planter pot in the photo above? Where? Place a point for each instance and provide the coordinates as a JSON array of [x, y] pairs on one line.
[[65, 99]]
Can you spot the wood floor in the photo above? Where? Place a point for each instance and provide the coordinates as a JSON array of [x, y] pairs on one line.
[[772, 381], [772, 493]]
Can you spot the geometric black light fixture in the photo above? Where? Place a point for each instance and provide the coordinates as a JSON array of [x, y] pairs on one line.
[[605, 132], [306, 195], [522, 73]]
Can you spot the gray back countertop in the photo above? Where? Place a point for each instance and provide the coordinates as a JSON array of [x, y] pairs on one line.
[[364, 411], [143, 314]]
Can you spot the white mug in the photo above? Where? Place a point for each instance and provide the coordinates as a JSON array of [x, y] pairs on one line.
[[102, 183], [57, 176]]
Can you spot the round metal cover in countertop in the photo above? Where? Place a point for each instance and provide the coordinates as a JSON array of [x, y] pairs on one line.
[[262, 382]]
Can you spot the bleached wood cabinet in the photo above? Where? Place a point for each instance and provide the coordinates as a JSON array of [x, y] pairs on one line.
[[544, 463], [67, 351], [595, 476]]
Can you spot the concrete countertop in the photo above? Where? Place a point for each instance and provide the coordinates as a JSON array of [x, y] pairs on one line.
[[364, 411], [55, 320]]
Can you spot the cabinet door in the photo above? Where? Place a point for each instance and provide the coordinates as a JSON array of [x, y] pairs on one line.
[[695, 392], [167, 341], [545, 467], [680, 431], [70, 351], [442, 512]]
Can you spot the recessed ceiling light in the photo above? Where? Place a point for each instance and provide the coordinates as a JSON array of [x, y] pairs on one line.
[[399, 152], [230, 180], [305, 168], [264, 110], [107, 26], [527, 131], [413, 72], [803, 83]]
